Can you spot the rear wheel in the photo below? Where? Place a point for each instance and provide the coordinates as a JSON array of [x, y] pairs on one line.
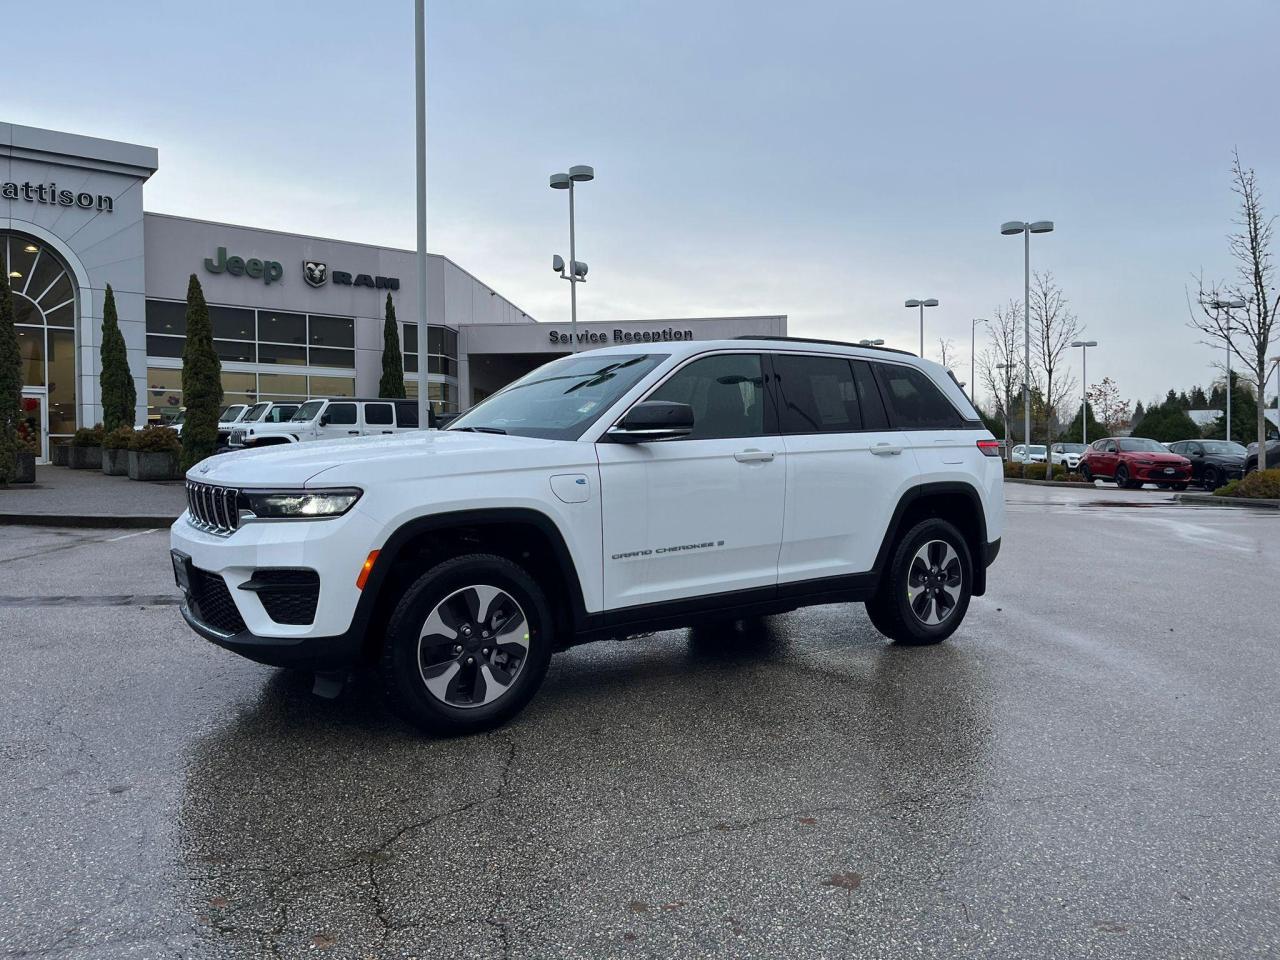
[[467, 646], [925, 590]]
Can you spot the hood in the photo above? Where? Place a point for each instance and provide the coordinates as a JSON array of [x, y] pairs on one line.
[[1235, 459], [1165, 457], [356, 459]]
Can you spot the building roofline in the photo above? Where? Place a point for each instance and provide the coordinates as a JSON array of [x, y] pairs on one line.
[[75, 149]]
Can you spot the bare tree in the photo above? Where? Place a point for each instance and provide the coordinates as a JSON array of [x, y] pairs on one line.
[[1250, 330], [1053, 328], [999, 363], [946, 352]]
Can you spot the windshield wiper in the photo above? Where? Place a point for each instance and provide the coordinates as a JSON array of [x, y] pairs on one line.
[[480, 430]]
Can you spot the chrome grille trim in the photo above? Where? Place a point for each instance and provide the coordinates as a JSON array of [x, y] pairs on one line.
[[213, 508]]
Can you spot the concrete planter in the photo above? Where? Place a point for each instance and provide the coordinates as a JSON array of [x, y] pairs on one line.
[[26, 467], [115, 463], [152, 466], [59, 454], [85, 458]]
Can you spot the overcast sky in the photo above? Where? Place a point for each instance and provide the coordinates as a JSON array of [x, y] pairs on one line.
[[825, 160]]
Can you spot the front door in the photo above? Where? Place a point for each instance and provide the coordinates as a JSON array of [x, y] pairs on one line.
[[33, 428], [700, 515], [340, 419]]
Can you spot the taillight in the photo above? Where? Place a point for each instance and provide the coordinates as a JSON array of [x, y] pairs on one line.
[[989, 448]]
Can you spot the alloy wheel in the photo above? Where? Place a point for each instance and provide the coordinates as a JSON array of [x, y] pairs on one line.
[[472, 646], [934, 580]]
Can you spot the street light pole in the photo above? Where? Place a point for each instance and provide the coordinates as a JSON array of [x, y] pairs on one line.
[[973, 360], [1006, 367], [1084, 346], [931, 302], [1011, 229], [577, 271], [1228, 306], [420, 96]]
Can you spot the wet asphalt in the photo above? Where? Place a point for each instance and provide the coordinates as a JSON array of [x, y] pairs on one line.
[[1088, 768]]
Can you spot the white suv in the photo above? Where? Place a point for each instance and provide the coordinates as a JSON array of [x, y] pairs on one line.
[[329, 420], [606, 494]]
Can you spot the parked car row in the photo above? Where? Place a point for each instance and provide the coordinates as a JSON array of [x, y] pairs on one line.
[[1132, 461], [326, 419]]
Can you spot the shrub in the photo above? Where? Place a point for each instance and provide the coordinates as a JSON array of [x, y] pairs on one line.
[[88, 436], [155, 439], [392, 382], [201, 381], [118, 393], [1013, 471], [118, 439], [1259, 485]]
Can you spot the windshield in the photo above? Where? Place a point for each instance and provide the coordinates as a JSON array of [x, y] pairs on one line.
[[307, 411], [1224, 447], [1069, 448], [1036, 448], [255, 412], [1141, 445], [560, 400], [232, 413]]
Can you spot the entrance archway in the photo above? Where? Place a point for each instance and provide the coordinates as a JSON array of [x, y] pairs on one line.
[[46, 310]]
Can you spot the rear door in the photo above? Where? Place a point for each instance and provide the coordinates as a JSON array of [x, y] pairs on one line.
[[846, 467], [406, 414], [943, 444], [378, 418]]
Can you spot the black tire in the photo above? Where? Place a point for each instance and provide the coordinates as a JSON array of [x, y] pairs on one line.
[[1211, 479], [892, 611], [1178, 486], [404, 677], [1122, 479], [1086, 473]]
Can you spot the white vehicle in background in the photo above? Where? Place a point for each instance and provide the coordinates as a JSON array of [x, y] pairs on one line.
[[1068, 454], [1019, 453], [228, 417], [332, 419]]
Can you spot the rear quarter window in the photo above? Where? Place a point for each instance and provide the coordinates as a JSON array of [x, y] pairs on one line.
[[913, 400]]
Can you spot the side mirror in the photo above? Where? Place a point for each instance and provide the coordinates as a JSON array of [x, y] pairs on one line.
[[653, 420], [324, 419]]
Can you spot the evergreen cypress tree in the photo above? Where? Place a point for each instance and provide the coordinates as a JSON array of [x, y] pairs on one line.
[[201, 381], [392, 382], [118, 393], [10, 386]]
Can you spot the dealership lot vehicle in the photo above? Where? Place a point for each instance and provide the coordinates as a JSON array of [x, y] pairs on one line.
[[1024, 454], [1213, 462], [604, 495], [330, 420], [1251, 457], [1132, 461], [1068, 454]]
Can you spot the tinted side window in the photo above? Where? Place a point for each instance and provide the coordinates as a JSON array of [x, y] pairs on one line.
[[341, 413], [817, 395], [873, 414], [281, 414], [726, 393], [914, 401], [407, 414], [378, 414]]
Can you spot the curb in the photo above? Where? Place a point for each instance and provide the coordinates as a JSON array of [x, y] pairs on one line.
[[1053, 483], [1208, 498], [89, 521]]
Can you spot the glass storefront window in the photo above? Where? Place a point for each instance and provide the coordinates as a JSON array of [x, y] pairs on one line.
[[329, 357], [62, 381], [164, 316], [332, 331], [235, 351], [31, 349], [282, 353], [164, 346], [282, 383], [238, 384], [232, 323], [281, 327], [164, 394], [333, 386]]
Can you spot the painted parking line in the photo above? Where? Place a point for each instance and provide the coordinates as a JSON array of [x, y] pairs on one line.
[[126, 536]]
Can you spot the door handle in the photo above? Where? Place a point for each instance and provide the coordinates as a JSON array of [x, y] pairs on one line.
[[886, 449], [354, 433], [753, 456]]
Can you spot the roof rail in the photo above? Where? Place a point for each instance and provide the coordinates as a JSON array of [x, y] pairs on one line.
[[830, 343]]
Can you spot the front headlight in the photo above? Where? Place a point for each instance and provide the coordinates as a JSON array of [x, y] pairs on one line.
[[302, 504]]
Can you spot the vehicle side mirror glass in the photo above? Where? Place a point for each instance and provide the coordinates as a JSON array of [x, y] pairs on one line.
[[653, 420]]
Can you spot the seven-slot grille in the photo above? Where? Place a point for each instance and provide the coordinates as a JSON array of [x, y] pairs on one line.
[[213, 508]]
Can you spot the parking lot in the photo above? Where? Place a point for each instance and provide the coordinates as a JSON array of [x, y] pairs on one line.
[[1088, 768]]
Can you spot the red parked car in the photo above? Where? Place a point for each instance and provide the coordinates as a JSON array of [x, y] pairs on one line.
[[1133, 461]]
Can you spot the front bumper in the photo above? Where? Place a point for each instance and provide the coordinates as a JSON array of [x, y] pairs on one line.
[[1161, 474], [334, 548]]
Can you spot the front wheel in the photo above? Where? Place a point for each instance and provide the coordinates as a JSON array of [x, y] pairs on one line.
[[1086, 473], [925, 590], [1123, 481], [467, 646], [1211, 479]]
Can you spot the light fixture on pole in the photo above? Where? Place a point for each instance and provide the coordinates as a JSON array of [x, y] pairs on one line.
[[871, 343], [931, 302], [1084, 346], [577, 270], [420, 97], [1013, 228], [973, 360], [1228, 305]]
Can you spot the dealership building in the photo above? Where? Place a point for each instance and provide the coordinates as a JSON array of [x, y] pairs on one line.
[[293, 316]]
